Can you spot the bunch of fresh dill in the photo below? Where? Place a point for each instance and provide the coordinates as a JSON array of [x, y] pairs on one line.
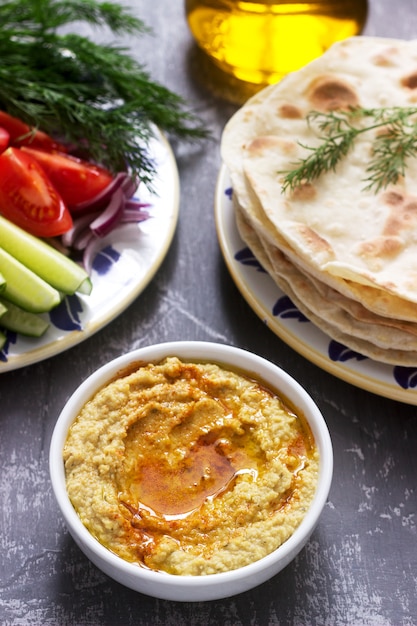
[[90, 95]]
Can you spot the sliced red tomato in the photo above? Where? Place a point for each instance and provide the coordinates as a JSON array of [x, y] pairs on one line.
[[28, 198], [22, 135], [4, 139], [76, 180]]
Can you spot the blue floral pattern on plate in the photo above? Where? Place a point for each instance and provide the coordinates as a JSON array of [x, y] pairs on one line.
[[339, 352], [67, 316], [11, 339], [406, 377], [104, 259], [247, 257], [285, 308]]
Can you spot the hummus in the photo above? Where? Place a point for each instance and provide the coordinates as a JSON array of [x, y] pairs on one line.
[[190, 468]]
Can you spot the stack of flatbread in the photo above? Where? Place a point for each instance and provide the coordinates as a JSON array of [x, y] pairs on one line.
[[346, 256]]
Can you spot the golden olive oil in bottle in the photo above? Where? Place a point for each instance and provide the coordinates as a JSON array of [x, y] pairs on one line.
[[259, 41]]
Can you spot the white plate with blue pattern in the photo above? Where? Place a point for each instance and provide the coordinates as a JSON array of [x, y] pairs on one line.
[[127, 261], [288, 323]]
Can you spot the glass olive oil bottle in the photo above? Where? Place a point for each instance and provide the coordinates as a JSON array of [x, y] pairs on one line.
[[259, 41]]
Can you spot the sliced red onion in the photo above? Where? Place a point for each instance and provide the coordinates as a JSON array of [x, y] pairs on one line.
[[94, 219], [129, 186], [106, 221], [133, 215], [83, 240], [90, 251], [79, 225], [135, 204], [102, 198], [128, 216]]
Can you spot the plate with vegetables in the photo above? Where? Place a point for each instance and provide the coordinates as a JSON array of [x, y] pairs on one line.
[[85, 167], [87, 290]]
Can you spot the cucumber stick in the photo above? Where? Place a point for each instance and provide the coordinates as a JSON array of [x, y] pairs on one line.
[[16, 319], [48, 263], [25, 288]]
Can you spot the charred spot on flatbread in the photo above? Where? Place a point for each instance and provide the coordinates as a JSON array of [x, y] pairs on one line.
[[328, 93], [410, 81], [392, 198], [314, 242], [304, 191], [375, 249], [403, 213], [260, 145], [290, 111], [386, 58]]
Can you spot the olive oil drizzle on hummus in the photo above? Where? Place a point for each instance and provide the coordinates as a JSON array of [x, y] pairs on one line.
[[207, 470]]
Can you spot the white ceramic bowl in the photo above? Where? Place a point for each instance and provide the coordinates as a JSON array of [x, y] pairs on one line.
[[193, 588]]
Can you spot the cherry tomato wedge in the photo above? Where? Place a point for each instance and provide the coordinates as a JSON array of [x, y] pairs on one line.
[[4, 139], [28, 198], [76, 180], [22, 135]]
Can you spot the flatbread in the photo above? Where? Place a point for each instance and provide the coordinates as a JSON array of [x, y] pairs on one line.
[[374, 337], [337, 227], [346, 255], [374, 300]]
